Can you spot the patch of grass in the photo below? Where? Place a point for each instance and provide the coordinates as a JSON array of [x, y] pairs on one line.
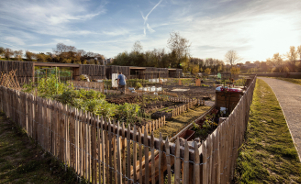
[[295, 81], [22, 161], [268, 154]]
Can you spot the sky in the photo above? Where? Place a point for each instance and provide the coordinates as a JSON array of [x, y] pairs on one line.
[[256, 29]]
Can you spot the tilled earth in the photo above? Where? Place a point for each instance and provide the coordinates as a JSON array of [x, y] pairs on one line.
[[194, 91]]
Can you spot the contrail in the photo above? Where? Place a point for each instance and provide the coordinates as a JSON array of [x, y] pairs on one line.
[[145, 18]]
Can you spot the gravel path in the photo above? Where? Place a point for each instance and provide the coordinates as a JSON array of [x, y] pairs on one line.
[[289, 98]]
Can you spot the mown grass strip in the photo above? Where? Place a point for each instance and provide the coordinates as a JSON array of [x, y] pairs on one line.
[[268, 154], [295, 81]]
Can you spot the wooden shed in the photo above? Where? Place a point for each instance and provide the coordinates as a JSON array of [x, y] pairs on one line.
[[227, 99]]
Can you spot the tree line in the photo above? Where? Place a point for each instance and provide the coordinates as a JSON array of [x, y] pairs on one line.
[[178, 56], [61, 54], [288, 62]]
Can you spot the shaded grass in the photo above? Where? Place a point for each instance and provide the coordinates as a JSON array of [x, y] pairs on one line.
[[22, 161], [173, 126], [268, 154]]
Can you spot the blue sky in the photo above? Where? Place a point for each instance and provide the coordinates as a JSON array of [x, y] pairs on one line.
[[256, 29]]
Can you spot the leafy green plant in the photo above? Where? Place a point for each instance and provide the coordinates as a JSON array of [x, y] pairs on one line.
[[87, 100], [240, 82], [138, 85], [195, 126]]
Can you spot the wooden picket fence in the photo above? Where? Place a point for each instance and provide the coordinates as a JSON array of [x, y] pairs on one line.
[[154, 125], [102, 151], [99, 86], [97, 149], [220, 149], [183, 108], [185, 100]]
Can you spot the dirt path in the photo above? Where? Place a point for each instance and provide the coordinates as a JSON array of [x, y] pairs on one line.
[[289, 98]]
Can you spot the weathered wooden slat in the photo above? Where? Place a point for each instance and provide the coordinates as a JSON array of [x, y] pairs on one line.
[[177, 162], [98, 145], [161, 174], [186, 164], [196, 168], [89, 120], [146, 153], [153, 174], [135, 154], [94, 147], [123, 151], [119, 170], [107, 125], [103, 141], [110, 153], [168, 161], [115, 156], [140, 156], [128, 156]]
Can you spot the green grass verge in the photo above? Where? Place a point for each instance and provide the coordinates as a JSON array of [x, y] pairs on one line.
[[268, 154], [295, 81], [22, 161]]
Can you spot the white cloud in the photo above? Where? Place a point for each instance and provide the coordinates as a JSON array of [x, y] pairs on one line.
[[256, 29], [116, 32], [49, 18], [15, 40]]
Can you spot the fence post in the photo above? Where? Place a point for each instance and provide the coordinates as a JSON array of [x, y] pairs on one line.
[[140, 156], [128, 155], [167, 148], [161, 174], [146, 152], [153, 165], [177, 162], [135, 154], [186, 164], [196, 169]]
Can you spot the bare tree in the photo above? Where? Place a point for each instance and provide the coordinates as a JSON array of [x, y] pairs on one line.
[[8, 53], [1, 51], [231, 57], [60, 48], [292, 54], [179, 45], [30, 55], [299, 51], [18, 54], [137, 47], [277, 59]]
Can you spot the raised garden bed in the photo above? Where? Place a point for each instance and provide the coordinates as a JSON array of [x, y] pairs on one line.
[[174, 125], [206, 125]]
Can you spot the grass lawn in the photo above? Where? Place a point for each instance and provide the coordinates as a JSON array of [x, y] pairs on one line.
[[21, 161], [295, 81], [268, 154]]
